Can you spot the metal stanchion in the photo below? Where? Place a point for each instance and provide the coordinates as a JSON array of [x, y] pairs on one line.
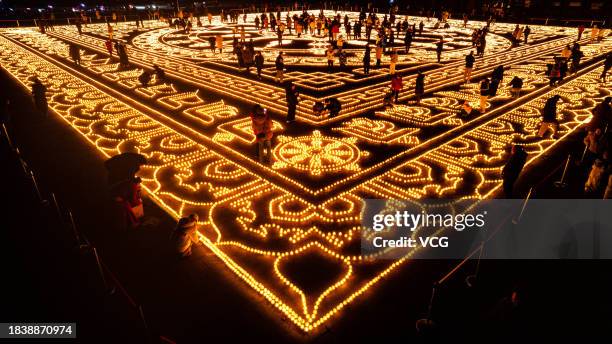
[[8, 137], [586, 148], [426, 324], [40, 198], [471, 279], [77, 237], [24, 166], [144, 322], [57, 208], [518, 219], [109, 290], [561, 183]]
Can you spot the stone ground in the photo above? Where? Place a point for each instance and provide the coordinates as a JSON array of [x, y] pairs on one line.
[[196, 300]]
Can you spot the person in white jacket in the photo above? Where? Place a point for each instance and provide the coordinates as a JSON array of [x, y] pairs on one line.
[[185, 235]]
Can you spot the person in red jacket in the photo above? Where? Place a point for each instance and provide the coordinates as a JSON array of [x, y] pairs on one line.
[[580, 31], [262, 129], [109, 47], [396, 85]]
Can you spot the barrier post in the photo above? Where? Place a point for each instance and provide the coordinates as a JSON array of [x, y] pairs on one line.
[[40, 198], [144, 322], [426, 323], [101, 271], [77, 237], [518, 219], [561, 183], [8, 138], [586, 148], [57, 208], [471, 279]]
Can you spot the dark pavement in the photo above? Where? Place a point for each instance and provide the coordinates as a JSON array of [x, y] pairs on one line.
[[198, 300]]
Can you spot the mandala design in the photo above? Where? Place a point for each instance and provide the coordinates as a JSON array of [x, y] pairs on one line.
[[263, 222], [318, 154]]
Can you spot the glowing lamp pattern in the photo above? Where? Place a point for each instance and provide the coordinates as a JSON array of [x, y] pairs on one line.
[[262, 221]]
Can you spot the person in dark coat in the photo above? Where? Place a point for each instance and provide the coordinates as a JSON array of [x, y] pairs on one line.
[[280, 66], [512, 169], [39, 94], [484, 94], [259, 62], [419, 87], [333, 106], [291, 95], [407, 41], [366, 60], [606, 67], [602, 115], [75, 53], [498, 73], [439, 48], [144, 78], [549, 116], [160, 74], [469, 66], [526, 33]]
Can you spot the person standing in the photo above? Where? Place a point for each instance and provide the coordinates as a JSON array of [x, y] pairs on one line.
[[279, 34], [75, 53], [469, 66], [496, 78], [396, 86], [577, 55], [109, 47], [393, 62], [606, 67], [280, 66], [512, 169], [580, 31], [122, 52], [408, 40], [366, 60], [79, 26], [39, 94], [291, 96], [185, 235], [594, 34], [379, 53], [331, 56], [247, 58], [421, 25], [439, 48], [484, 94], [554, 73], [262, 129], [419, 87], [259, 62], [219, 43], [526, 33]]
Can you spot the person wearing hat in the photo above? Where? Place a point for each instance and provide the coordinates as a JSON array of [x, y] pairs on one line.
[[185, 235]]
